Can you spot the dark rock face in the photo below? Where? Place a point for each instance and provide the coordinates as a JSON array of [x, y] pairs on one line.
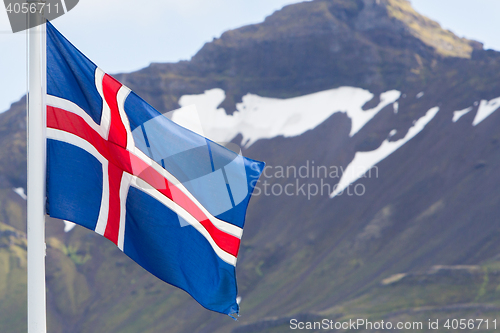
[[434, 201], [301, 49]]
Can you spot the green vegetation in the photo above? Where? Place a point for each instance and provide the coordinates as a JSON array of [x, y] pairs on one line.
[[12, 279]]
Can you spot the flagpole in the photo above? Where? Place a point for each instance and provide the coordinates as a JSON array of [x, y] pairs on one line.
[[36, 176]]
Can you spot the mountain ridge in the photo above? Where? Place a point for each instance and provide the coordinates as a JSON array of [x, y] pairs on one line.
[[357, 34]]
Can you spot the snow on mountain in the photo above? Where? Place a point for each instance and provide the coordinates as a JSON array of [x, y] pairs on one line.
[[459, 114], [68, 226], [396, 107], [364, 161], [264, 118], [485, 109], [20, 192]]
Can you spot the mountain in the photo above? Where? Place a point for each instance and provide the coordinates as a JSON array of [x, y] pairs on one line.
[[353, 87]]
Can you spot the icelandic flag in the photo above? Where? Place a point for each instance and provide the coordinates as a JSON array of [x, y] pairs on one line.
[[172, 200]]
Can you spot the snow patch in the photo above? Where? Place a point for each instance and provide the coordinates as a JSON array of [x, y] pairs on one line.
[[392, 133], [364, 161], [420, 95], [485, 109], [189, 118], [68, 226], [359, 117], [396, 107], [20, 192], [264, 118], [459, 114]]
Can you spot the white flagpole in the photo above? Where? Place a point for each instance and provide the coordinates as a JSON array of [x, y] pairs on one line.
[[36, 178]]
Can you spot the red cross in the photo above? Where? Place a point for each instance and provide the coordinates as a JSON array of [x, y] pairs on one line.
[[121, 160]]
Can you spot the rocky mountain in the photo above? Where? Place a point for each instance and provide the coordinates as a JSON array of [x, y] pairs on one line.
[[367, 95]]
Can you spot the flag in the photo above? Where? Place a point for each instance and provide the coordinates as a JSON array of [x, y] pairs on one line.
[[172, 200]]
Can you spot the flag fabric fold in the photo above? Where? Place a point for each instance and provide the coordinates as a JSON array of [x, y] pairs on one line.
[[172, 200]]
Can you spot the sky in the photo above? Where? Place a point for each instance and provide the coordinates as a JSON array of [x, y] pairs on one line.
[[126, 35]]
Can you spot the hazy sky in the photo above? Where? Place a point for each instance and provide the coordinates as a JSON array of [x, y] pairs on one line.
[[126, 35]]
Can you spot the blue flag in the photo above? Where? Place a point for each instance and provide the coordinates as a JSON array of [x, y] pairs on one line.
[[172, 200]]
